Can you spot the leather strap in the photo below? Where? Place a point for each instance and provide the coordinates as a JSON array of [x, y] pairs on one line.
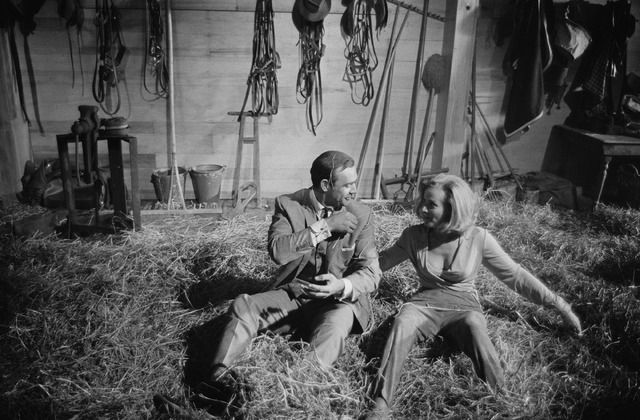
[[32, 85], [17, 72], [72, 12]]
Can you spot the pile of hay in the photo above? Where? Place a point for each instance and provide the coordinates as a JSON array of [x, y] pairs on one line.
[[92, 328]]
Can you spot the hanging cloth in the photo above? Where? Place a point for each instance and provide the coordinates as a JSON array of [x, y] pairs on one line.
[[22, 12], [528, 56], [597, 88]]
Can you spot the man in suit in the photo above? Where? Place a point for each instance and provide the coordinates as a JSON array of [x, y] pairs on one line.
[[324, 242]]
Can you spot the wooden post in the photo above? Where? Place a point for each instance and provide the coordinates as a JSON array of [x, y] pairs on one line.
[[15, 143], [461, 19]]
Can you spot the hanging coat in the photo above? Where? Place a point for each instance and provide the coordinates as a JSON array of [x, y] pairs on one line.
[[528, 56]]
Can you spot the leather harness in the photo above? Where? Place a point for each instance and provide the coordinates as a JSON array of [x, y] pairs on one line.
[[309, 82], [262, 82], [155, 58], [360, 51], [110, 52]]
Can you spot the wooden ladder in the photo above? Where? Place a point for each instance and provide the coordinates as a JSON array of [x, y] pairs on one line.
[[253, 140]]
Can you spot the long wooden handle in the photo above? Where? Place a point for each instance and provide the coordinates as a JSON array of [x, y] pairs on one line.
[[423, 150], [406, 169], [377, 171], [374, 110], [175, 176]]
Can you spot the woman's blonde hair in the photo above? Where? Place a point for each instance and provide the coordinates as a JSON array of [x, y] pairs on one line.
[[459, 198]]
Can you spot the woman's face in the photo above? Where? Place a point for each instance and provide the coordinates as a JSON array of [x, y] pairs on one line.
[[434, 210]]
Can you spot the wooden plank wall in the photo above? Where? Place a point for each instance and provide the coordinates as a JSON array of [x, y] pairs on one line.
[[212, 49]]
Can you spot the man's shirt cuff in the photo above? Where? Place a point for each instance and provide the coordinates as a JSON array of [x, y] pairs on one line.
[[348, 290], [319, 232]]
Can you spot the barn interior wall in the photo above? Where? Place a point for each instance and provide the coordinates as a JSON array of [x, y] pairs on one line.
[[212, 52]]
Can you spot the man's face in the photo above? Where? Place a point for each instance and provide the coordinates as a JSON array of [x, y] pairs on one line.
[[342, 189]]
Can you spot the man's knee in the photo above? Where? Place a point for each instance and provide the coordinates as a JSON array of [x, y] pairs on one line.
[[244, 309], [240, 305], [340, 331], [338, 322], [475, 322], [328, 343]]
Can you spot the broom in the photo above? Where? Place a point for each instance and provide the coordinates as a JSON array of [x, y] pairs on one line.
[[433, 79]]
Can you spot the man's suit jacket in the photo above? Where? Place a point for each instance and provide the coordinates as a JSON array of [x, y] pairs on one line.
[[350, 255]]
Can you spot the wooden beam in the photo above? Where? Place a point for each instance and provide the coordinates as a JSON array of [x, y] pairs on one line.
[[15, 143], [279, 6], [461, 19]]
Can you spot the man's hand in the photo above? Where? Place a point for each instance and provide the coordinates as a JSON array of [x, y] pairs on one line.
[[342, 222], [325, 285]]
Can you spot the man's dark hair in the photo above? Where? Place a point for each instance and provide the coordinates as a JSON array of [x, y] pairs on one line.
[[328, 164]]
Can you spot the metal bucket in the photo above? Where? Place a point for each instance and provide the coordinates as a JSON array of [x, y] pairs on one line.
[[161, 180], [206, 181]]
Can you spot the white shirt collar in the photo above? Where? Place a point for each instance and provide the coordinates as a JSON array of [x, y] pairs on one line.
[[317, 206]]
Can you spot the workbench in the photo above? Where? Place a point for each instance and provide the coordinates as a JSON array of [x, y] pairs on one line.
[[586, 159]]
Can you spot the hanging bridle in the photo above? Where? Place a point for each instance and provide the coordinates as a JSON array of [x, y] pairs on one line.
[[360, 51], [155, 58], [309, 82], [110, 52], [263, 79], [262, 83]]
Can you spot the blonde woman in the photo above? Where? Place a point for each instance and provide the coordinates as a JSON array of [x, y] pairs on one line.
[[447, 250]]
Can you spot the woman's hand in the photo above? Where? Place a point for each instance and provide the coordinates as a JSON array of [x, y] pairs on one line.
[[571, 320]]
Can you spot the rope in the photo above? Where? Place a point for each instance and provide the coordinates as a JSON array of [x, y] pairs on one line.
[[309, 82]]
